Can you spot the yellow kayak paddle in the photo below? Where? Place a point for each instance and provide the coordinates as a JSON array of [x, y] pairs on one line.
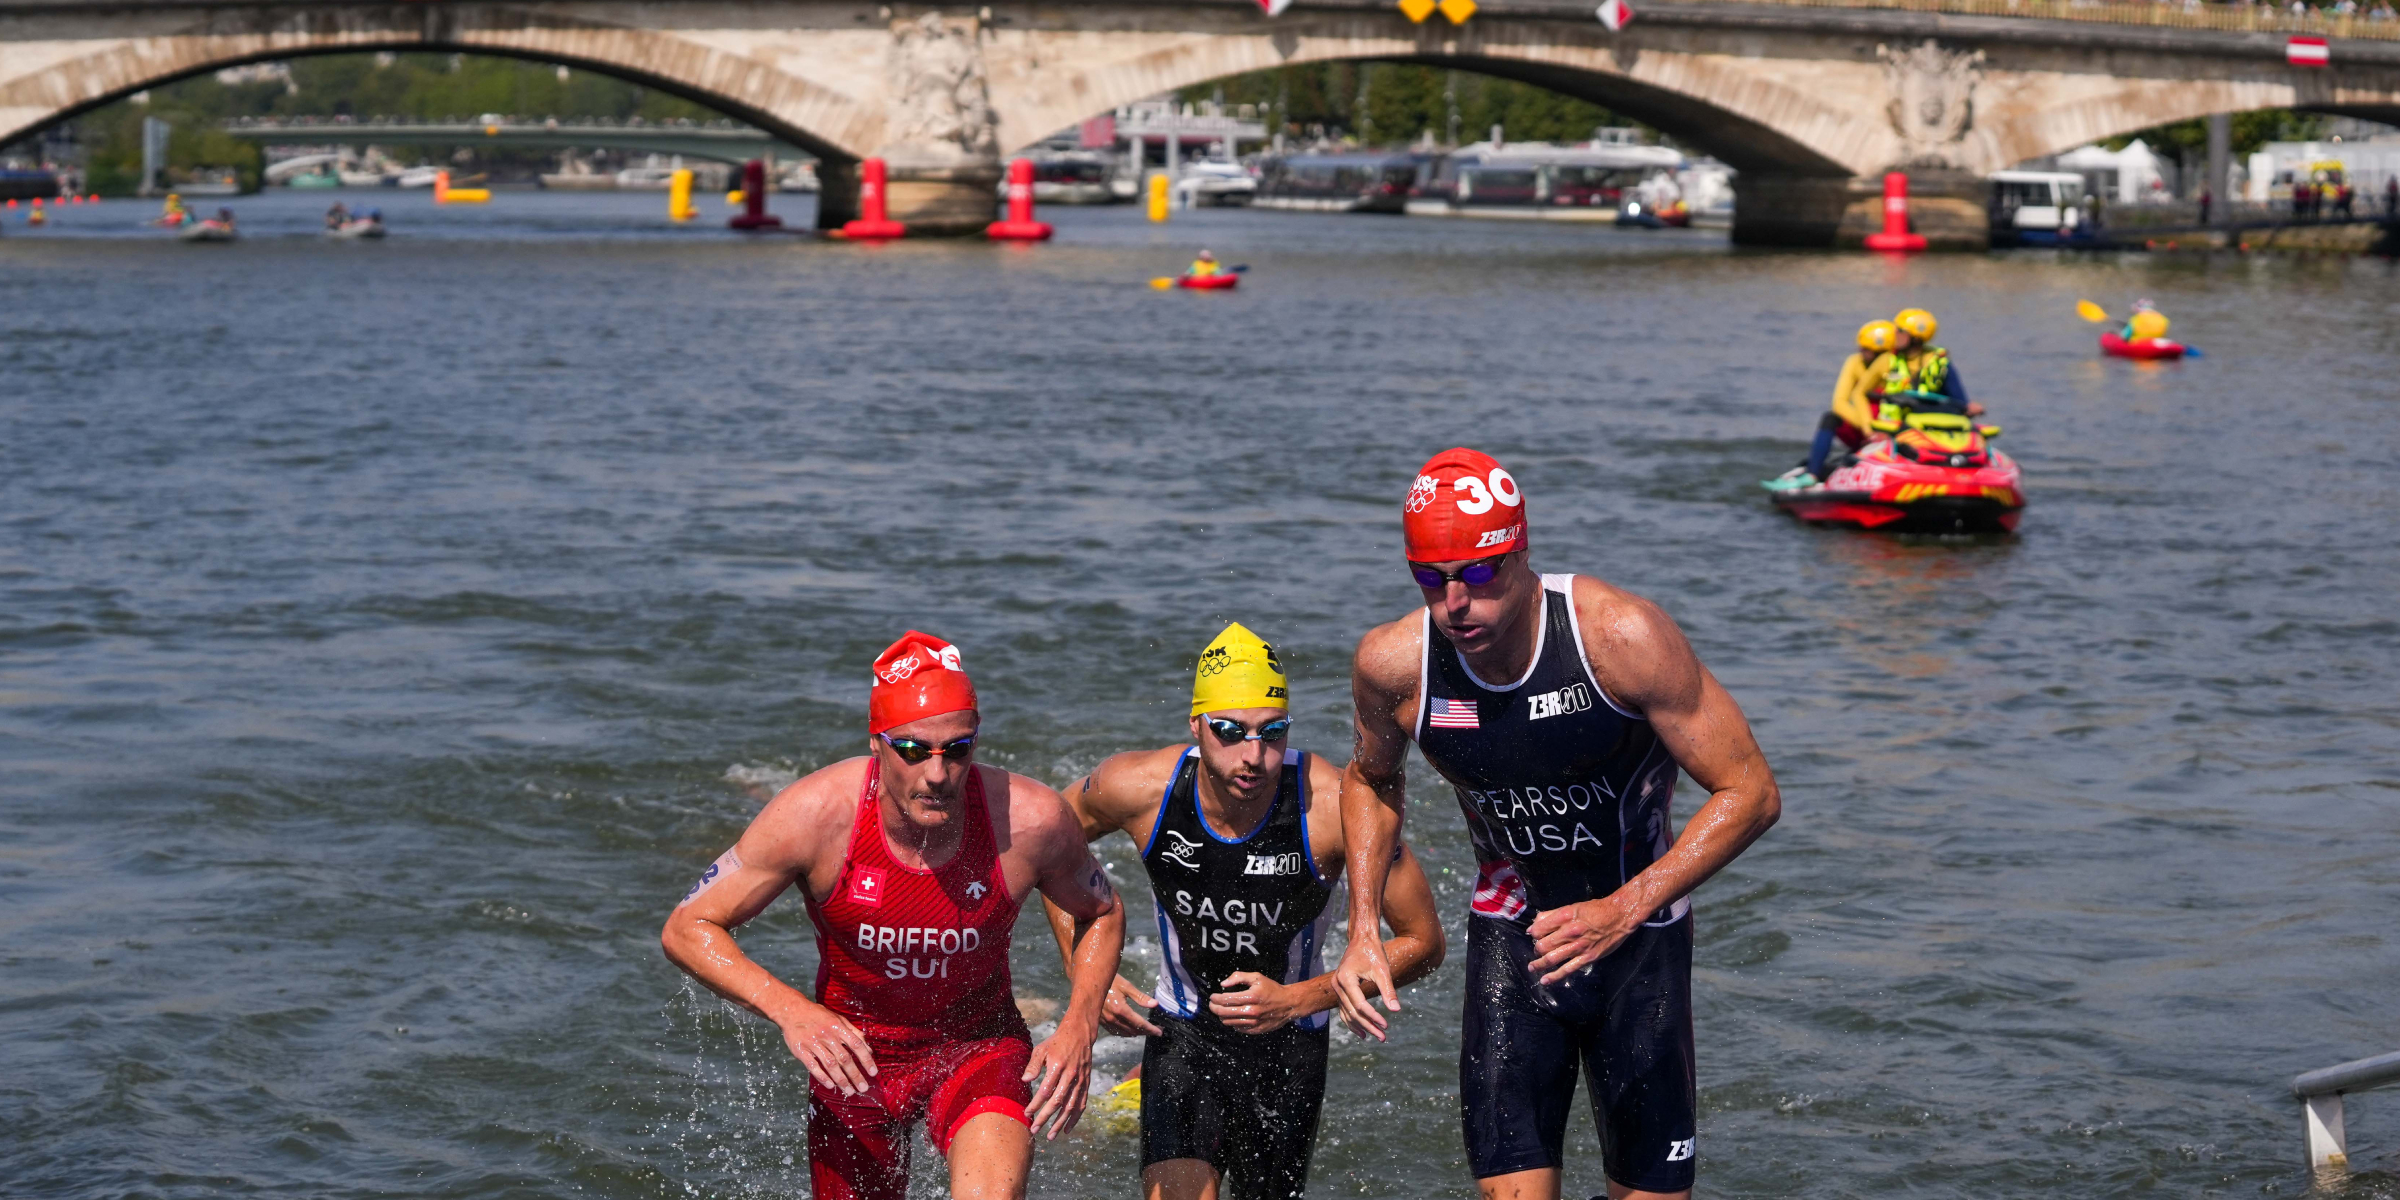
[[2090, 312]]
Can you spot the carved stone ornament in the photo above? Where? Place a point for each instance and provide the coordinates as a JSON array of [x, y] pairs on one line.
[[941, 111], [1933, 100]]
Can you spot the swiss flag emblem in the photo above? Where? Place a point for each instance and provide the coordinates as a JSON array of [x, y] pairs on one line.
[[866, 886]]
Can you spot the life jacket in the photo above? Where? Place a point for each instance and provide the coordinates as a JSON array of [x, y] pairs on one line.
[[1927, 373]]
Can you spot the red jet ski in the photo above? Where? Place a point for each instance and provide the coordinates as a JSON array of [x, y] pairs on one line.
[[1936, 474], [2114, 345]]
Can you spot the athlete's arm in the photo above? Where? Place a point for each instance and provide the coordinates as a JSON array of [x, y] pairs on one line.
[[780, 848], [1642, 660], [1383, 680], [1071, 878], [1253, 1003], [1120, 790]]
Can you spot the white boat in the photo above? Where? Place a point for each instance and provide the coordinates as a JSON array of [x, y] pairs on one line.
[[1215, 184], [210, 230], [417, 177], [362, 227], [802, 177], [645, 179]]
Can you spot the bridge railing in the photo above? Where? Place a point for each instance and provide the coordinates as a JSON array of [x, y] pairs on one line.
[[2320, 1094], [2171, 14]]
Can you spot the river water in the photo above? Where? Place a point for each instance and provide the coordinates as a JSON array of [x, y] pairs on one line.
[[388, 633]]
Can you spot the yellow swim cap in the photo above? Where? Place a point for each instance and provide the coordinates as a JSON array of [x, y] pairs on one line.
[[1877, 335], [1916, 323], [1238, 670]]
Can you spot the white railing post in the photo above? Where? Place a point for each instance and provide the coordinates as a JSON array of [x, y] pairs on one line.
[[2327, 1150]]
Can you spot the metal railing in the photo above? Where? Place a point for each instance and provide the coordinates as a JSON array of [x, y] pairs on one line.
[[2168, 14], [2320, 1093]]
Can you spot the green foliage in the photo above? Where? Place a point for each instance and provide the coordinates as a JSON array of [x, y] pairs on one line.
[[1405, 101], [434, 87], [2187, 141]]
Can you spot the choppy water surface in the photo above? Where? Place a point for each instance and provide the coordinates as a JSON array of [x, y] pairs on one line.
[[389, 632]]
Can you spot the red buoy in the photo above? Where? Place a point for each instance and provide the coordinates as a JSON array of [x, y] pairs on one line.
[[872, 225], [754, 215], [1020, 225], [1895, 235]]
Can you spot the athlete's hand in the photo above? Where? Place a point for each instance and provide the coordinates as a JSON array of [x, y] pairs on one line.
[[834, 1051], [1121, 1010], [1363, 966], [1062, 1065], [1572, 938], [1253, 1003]]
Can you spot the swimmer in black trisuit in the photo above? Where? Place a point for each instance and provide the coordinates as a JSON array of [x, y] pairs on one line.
[[1559, 708], [1242, 839]]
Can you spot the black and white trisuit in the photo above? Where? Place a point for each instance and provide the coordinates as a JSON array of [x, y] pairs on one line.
[[1230, 901], [1567, 796]]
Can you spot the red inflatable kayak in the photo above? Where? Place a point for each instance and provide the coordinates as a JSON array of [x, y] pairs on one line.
[[2117, 347], [1208, 282]]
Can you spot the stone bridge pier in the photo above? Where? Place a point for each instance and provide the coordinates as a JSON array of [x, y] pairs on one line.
[[1811, 104]]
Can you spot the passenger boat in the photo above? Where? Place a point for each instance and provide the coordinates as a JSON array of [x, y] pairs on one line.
[[1215, 185], [1374, 183], [1938, 474], [1541, 181], [1070, 177]]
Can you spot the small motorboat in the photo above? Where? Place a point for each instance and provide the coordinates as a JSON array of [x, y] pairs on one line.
[[1937, 474], [210, 230], [2114, 345], [367, 226], [1209, 283]]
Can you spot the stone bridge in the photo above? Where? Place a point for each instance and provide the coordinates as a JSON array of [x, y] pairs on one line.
[[1810, 102]]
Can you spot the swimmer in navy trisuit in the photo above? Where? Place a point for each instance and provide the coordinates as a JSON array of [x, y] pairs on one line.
[[1242, 839], [1559, 708], [913, 862]]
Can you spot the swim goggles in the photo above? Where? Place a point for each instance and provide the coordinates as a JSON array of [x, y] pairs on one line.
[[912, 751], [1474, 574], [1234, 733]]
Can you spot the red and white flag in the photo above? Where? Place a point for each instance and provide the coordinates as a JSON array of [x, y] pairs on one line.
[[1274, 8], [1616, 14], [2307, 52]]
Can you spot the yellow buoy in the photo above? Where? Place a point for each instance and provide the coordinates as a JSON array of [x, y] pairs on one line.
[[1158, 196], [734, 198], [679, 196]]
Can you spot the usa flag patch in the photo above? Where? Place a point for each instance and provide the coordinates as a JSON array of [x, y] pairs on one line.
[[1451, 714]]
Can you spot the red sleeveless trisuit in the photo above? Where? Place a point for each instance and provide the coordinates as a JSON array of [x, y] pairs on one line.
[[918, 961]]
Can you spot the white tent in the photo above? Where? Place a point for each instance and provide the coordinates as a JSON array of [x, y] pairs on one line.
[[2133, 175]]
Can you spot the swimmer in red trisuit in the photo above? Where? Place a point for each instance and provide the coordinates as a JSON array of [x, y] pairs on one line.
[[1559, 708], [1241, 834], [913, 861]]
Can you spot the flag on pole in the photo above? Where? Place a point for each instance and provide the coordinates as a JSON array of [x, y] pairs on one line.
[[1274, 8], [2307, 52], [1616, 14]]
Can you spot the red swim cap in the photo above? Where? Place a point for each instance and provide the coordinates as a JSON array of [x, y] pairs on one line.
[[918, 677], [1464, 505]]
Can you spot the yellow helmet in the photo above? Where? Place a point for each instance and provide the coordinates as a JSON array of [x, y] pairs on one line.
[[1916, 323], [1878, 336]]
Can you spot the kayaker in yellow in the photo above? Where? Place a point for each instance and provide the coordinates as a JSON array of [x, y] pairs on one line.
[[1852, 413], [2145, 323], [1204, 266]]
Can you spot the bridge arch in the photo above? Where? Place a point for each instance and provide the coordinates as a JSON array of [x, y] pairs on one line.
[[51, 80], [1711, 102]]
